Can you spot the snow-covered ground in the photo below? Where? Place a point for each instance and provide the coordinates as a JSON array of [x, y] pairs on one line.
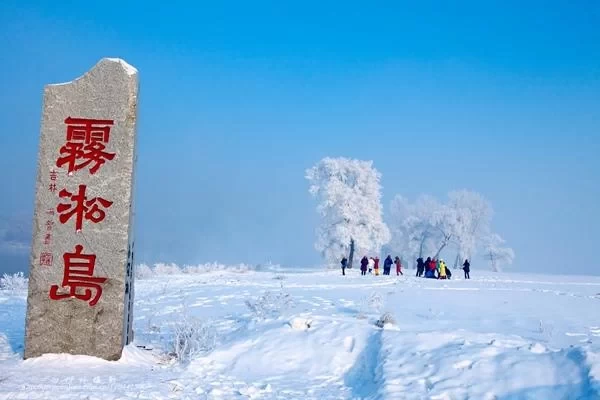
[[497, 336]]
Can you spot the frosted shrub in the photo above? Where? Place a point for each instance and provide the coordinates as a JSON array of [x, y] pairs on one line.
[[267, 267], [270, 304], [166, 269], [547, 330], [386, 319], [143, 271], [191, 338], [196, 269], [376, 302], [214, 267], [14, 282], [373, 303], [300, 324]]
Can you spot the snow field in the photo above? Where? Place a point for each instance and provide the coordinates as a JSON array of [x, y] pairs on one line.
[[497, 336]]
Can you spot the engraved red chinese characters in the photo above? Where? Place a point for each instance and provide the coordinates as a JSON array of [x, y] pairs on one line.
[[86, 142], [46, 259], [81, 207], [79, 278]]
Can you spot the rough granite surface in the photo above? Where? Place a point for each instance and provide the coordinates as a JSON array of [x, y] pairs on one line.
[[109, 91]]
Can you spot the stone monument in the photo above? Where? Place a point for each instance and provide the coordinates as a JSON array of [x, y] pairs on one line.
[[81, 266]]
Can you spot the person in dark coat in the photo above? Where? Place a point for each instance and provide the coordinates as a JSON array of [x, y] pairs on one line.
[[467, 269], [387, 265], [448, 272], [363, 265], [420, 266], [344, 265]]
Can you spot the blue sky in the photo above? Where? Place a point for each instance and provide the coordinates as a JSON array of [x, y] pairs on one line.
[[239, 98]]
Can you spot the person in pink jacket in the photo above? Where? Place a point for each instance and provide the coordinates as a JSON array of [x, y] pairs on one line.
[[398, 266]]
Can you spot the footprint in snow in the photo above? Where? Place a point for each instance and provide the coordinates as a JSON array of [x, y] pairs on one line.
[[465, 364], [250, 392]]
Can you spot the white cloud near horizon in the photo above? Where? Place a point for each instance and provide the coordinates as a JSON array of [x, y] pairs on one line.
[[15, 235]]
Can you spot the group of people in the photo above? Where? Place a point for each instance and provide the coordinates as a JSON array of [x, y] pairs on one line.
[[372, 265], [437, 269], [430, 268]]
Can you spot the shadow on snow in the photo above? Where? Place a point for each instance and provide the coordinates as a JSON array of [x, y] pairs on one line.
[[363, 378]]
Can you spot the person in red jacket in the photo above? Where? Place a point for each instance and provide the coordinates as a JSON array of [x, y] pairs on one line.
[[433, 264], [398, 266], [431, 268]]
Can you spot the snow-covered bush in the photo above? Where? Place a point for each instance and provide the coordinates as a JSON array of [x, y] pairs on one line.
[[14, 282], [167, 269], [376, 302], [270, 304], [144, 271], [386, 319], [372, 303], [300, 324], [213, 267], [191, 338], [546, 329]]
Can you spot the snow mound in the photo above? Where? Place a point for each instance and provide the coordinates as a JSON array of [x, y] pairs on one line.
[[537, 348], [300, 324]]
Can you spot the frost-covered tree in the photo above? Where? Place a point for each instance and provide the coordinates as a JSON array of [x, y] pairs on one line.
[[445, 222], [427, 227], [473, 220], [400, 243], [495, 252], [349, 195], [424, 228], [413, 234]]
